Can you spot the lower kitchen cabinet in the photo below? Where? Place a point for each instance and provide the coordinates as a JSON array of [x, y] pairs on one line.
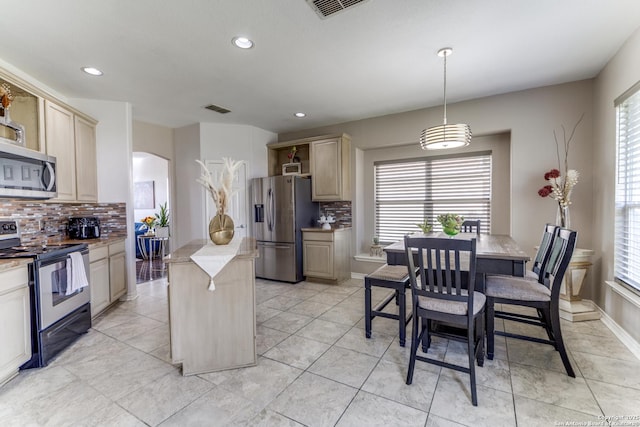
[[15, 318], [107, 275], [326, 254], [117, 270]]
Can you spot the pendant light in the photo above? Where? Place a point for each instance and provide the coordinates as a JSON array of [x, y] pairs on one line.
[[445, 136]]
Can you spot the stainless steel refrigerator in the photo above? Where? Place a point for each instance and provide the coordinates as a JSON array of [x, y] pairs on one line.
[[281, 207]]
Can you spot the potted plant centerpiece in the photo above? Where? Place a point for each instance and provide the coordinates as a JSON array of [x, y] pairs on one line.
[[162, 221], [451, 223]]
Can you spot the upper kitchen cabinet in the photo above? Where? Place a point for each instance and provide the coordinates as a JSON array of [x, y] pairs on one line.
[[326, 158], [71, 138], [331, 169], [283, 153], [86, 160], [24, 112]]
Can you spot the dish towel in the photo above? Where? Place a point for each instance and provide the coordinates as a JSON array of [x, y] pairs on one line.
[[212, 258], [78, 274]]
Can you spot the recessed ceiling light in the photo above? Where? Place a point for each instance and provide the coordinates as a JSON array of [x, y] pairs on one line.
[[92, 70], [242, 42], [300, 115]]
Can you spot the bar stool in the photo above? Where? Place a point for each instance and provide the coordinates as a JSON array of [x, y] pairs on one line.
[[394, 277]]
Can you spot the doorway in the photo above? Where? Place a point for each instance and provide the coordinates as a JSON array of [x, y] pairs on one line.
[[151, 192]]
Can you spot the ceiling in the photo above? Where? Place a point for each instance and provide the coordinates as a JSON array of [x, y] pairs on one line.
[[169, 59]]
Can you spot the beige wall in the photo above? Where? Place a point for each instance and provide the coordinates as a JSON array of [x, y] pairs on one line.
[[499, 146], [529, 116], [153, 139], [622, 72]]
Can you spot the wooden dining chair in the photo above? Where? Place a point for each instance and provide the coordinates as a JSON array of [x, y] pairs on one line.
[[471, 225], [542, 294], [441, 304], [544, 251]]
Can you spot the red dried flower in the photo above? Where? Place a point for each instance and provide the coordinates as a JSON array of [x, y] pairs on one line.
[[545, 191], [553, 173]]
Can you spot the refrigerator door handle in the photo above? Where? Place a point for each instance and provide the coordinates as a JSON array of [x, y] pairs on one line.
[[270, 209]]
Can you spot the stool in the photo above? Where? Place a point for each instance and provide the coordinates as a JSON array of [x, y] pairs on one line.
[[394, 277]]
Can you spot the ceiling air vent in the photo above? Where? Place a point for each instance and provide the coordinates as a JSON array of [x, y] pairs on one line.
[[326, 8], [217, 109]]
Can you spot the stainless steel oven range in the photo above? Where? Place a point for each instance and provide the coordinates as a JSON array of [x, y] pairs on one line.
[[59, 313]]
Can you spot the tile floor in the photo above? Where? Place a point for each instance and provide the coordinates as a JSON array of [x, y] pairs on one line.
[[316, 369]]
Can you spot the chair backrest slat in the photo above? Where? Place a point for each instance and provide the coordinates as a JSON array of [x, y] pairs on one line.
[[469, 225], [559, 258], [441, 268], [544, 250]]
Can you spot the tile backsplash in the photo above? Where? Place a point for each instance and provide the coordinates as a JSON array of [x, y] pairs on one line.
[[42, 222], [340, 210]]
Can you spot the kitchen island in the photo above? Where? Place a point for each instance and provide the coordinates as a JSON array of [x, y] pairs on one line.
[[212, 330]]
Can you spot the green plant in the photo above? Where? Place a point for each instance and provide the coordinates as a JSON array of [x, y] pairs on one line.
[[451, 221], [162, 219], [376, 240], [425, 226]]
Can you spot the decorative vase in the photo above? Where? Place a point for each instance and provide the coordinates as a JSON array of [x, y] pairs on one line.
[[221, 229], [563, 219], [450, 231]]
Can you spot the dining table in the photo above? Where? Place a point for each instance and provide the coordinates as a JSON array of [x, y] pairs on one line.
[[495, 254]]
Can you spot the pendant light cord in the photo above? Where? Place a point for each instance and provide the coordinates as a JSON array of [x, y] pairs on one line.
[[445, 87]]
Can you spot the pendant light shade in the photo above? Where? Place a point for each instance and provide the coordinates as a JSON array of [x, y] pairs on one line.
[[445, 136]]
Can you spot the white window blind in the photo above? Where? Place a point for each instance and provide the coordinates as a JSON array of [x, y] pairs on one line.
[[627, 220], [409, 191]]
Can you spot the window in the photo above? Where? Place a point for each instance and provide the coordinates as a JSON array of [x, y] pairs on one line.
[[627, 220], [409, 191]]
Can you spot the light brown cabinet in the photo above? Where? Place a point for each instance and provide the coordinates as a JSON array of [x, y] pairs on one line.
[[326, 254], [327, 159], [117, 271], [60, 144], [86, 160], [72, 140], [15, 318], [107, 276], [330, 169]]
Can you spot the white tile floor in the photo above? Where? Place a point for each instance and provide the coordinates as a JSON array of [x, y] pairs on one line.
[[316, 368]]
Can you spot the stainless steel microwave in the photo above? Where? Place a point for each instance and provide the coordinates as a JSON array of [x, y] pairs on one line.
[[26, 173]]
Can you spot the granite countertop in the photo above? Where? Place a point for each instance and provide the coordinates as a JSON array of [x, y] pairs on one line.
[[95, 243], [321, 230], [248, 248], [7, 264]]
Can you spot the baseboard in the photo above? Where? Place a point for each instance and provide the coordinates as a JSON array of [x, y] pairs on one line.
[[355, 275], [620, 333], [370, 258]]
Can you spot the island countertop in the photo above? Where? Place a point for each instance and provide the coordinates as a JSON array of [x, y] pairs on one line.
[[248, 248]]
